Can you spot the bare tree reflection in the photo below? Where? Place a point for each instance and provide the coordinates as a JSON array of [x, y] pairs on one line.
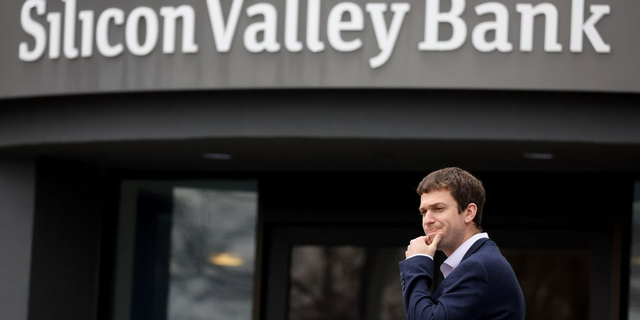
[[345, 283], [209, 224]]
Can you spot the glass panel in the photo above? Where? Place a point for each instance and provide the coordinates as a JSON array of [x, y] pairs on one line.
[[346, 283], [634, 277], [186, 250], [555, 282], [212, 254], [354, 283]]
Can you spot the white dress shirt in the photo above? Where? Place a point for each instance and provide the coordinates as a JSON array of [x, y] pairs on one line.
[[454, 259]]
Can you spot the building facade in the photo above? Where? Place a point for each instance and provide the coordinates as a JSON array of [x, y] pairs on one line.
[[258, 159]]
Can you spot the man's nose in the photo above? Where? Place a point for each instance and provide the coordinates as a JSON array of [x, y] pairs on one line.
[[428, 218]]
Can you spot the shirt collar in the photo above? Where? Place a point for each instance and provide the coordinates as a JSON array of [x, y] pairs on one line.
[[455, 258]]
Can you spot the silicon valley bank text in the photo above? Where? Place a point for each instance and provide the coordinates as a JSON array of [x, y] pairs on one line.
[[262, 36]]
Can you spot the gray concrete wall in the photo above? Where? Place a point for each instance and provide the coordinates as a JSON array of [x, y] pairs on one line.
[[17, 194]]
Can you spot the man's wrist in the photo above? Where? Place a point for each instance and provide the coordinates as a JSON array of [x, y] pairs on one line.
[[419, 254]]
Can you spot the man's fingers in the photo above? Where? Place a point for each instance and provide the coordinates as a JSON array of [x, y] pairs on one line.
[[437, 238]]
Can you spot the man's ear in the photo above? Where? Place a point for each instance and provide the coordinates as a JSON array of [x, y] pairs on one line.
[[470, 212]]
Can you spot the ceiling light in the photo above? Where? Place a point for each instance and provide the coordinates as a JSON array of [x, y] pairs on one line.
[[538, 156], [216, 156]]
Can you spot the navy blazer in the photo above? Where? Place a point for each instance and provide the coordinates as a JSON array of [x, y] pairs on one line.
[[482, 287]]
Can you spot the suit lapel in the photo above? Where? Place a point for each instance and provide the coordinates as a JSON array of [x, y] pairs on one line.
[[471, 251], [474, 248]]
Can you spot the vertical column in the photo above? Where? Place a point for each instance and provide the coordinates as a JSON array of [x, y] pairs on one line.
[[65, 265], [17, 196]]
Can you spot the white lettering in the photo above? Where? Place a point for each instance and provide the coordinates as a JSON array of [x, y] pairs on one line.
[[70, 50], [54, 19], [432, 21], [34, 29], [588, 27], [170, 15], [500, 26], [386, 38], [268, 27], [313, 26], [223, 35], [151, 38], [291, 27], [262, 35], [86, 17], [335, 25], [528, 12], [102, 32]]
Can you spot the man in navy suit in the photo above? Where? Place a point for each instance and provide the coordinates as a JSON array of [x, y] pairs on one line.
[[479, 283]]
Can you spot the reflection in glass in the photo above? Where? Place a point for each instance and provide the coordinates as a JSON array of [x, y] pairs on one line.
[[212, 254], [555, 282], [345, 283], [634, 277], [362, 283]]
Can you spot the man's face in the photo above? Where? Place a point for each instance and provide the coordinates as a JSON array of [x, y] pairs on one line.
[[439, 212]]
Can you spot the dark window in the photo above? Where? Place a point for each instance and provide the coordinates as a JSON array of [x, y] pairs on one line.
[[186, 250], [345, 282]]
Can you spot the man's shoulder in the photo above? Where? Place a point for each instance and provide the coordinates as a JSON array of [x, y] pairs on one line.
[[488, 255]]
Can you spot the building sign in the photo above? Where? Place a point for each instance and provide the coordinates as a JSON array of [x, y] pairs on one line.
[[88, 46]]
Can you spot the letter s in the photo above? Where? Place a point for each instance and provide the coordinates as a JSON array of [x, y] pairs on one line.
[[34, 29]]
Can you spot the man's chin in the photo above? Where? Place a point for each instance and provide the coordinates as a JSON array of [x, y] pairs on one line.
[[432, 235]]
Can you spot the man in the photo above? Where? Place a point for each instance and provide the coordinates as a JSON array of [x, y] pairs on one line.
[[479, 283]]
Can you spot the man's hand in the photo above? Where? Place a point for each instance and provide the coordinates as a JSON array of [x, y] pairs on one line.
[[423, 245]]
